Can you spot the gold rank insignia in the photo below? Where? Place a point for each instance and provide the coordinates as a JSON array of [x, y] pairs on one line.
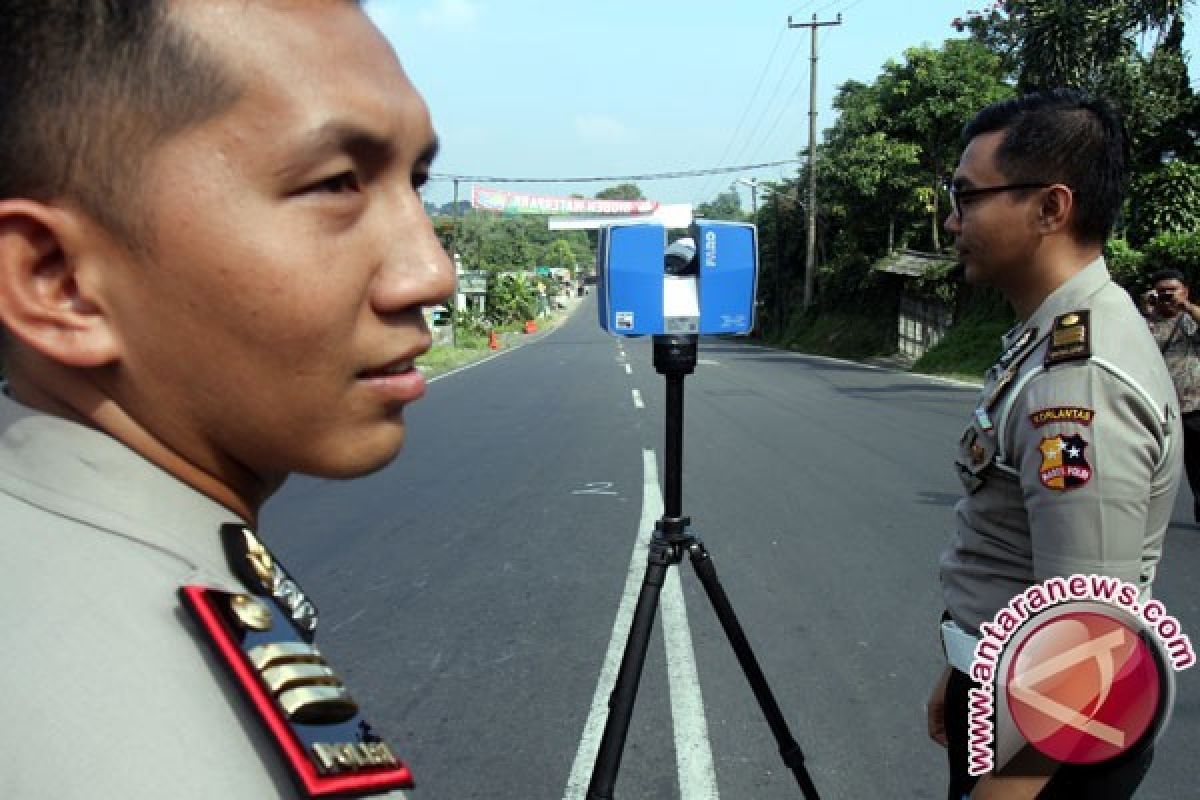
[[1070, 338], [263, 575], [978, 455], [305, 707]]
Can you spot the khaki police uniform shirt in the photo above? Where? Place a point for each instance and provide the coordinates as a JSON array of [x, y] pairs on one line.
[[1069, 467], [107, 689]]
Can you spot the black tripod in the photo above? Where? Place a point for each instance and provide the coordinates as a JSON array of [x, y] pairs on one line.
[[674, 358]]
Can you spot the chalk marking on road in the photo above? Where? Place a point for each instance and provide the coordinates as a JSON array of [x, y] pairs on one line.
[[693, 752], [351, 620], [597, 487], [637, 399]]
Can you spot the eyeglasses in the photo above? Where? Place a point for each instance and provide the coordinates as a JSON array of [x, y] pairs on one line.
[[958, 195]]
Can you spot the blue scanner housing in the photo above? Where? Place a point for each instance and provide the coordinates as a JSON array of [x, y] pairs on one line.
[[636, 297]]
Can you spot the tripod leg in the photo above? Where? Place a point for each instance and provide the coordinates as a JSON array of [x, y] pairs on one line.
[[789, 749], [624, 693]]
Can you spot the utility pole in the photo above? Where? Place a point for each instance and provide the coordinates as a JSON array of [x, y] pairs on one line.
[[454, 257], [753, 184], [810, 259]]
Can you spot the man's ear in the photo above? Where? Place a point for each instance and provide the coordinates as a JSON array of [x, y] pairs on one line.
[[1055, 213], [49, 262]]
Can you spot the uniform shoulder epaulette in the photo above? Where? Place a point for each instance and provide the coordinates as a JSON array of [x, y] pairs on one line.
[[264, 637], [1070, 338]]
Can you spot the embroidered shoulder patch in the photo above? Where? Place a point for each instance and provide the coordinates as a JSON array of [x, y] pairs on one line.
[[1075, 414], [1064, 462], [1070, 338], [306, 709]]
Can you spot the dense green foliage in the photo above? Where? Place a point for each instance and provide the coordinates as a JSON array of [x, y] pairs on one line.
[[1179, 251], [845, 334], [497, 243], [968, 349], [510, 298], [1165, 200], [896, 140], [726, 206]]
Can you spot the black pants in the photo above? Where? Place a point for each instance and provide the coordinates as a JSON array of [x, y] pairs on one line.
[[1112, 780], [1191, 457]]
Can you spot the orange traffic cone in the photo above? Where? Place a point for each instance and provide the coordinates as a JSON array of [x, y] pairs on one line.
[[493, 342], [530, 326]]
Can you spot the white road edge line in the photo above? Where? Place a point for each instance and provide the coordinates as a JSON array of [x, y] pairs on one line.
[[637, 399], [693, 751]]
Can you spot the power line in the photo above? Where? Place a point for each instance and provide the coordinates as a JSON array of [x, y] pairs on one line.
[[787, 106], [654, 176], [737, 129], [744, 151]]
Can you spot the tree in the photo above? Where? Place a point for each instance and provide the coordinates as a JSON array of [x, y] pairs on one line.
[[726, 206], [498, 243], [510, 299], [1160, 110], [559, 254], [928, 98], [875, 170], [622, 191], [1128, 51], [1165, 201], [1052, 43]]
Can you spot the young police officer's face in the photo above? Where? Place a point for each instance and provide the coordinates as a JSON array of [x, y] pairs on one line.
[[996, 234], [274, 324]]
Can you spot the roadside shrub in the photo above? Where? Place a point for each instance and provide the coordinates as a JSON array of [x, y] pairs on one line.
[[1179, 251], [1125, 264], [1166, 200], [511, 299], [967, 349], [470, 322]]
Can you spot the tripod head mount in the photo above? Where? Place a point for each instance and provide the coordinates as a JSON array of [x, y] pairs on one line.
[[675, 354]]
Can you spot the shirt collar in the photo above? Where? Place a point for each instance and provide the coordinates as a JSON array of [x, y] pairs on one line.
[[1070, 296], [86, 475]]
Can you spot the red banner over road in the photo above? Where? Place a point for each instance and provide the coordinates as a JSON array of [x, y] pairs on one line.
[[516, 203]]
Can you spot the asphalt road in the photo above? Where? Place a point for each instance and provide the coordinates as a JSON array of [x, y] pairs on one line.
[[472, 594]]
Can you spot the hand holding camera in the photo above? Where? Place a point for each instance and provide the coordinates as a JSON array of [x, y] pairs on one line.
[[1166, 300]]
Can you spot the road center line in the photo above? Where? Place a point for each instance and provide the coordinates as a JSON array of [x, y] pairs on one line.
[[693, 751], [637, 399], [628, 370]]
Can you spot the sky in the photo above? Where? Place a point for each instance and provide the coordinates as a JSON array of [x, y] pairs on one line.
[[537, 89]]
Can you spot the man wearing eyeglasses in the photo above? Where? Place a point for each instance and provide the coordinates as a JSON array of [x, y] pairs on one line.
[[1071, 460]]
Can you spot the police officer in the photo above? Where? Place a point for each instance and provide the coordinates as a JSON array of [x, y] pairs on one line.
[[213, 264], [1071, 459]]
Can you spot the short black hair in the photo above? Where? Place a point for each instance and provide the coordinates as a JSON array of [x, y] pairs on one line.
[[1063, 136], [88, 87], [1167, 275]]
